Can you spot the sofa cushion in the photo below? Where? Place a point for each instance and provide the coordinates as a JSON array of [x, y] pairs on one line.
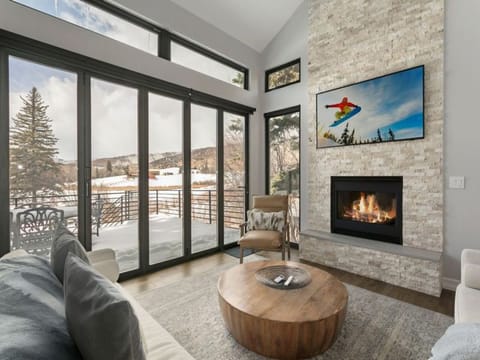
[[471, 274], [467, 309], [63, 243], [32, 312], [260, 220], [14, 254], [100, 319], [261, 239], [460, 342], [159, 343]]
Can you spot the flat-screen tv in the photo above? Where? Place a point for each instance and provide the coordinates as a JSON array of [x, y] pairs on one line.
[[384, 109]]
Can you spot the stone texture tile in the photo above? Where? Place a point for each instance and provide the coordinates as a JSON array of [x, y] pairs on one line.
[[412, 273], [351, 41]]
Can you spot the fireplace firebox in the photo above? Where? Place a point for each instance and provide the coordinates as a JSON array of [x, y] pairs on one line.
[[368, 207]]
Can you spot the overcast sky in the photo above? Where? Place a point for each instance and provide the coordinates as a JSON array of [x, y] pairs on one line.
[[114, 107], [114, 113]]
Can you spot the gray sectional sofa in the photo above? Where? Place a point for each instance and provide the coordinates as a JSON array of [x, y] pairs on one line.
[[25, 325], [462, 340], [467, 295]]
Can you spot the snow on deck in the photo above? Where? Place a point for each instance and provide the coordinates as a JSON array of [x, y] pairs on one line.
[[160, 180], [166, 239]]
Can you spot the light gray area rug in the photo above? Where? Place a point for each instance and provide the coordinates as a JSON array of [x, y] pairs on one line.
[[376, 326]]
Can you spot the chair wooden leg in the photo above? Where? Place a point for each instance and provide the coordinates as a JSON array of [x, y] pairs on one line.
[[241, 255]]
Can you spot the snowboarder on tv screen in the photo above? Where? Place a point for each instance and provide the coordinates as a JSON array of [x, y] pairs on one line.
[[345, 107]]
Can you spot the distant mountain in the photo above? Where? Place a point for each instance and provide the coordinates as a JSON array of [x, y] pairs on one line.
[[203, 159]]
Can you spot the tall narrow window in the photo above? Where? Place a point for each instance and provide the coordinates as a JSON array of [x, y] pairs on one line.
[[93, 18], [114, 198], [283, 75], [165, 178], [43, 154], [283, 154]]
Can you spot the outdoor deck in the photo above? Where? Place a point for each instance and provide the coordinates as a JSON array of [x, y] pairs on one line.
[[166, 240]]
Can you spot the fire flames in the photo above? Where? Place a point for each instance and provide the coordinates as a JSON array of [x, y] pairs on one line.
[[367, 209]]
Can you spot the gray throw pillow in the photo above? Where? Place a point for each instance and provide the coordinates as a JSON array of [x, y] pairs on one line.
[[100, 319], [63, 243], [260, 220]]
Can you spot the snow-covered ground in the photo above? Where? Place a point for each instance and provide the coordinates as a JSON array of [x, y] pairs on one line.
[[160, 180], [166, 240]]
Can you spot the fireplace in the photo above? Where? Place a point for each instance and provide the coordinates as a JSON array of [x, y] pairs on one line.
[[367, 206]]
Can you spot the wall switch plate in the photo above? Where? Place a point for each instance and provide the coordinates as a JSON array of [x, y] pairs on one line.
[[456, 182]]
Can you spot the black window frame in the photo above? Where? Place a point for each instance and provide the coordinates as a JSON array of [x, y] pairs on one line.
[[214, 56], [12, 44], [165, 37], [267, 117], [282, 67]]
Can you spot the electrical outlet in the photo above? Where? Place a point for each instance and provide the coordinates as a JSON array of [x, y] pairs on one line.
[[456, 182]]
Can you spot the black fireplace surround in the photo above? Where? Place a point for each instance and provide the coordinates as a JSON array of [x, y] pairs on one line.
[[368, 207]]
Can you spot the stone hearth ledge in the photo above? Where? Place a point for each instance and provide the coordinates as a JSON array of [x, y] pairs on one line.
[[412, 268]]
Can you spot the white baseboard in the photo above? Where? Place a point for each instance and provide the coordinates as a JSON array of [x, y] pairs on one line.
[[449, 283]]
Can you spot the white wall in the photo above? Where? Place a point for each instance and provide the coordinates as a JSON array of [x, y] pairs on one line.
[[462, 130], [36, 25], [289, 44]]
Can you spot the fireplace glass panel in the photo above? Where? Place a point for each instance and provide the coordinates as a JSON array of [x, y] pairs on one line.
[[367, 207]]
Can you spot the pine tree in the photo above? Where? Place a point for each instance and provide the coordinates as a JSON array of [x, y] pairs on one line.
[[351, 138], [238, 79], [379, 136], [345, 135], [33, 169], [109, 168], [391, 135]]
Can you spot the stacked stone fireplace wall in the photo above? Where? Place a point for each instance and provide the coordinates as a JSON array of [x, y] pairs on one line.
[[351, 41]]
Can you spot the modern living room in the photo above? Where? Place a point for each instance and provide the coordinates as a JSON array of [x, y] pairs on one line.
[[238, 180]]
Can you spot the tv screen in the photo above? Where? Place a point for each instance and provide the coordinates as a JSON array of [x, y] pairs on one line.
[[384, 109]]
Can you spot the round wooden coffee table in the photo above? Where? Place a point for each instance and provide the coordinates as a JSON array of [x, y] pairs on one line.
[[282, 324]]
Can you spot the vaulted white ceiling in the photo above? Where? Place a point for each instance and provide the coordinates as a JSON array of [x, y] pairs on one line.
[[253, 22]]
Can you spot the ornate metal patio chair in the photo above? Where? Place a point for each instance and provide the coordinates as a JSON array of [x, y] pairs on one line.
[[34, 229], [97, 208]]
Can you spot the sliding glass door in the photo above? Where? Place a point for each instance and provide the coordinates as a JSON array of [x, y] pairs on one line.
[[147, 173], [114, 171], [42, 154], [165, 178], [234, 175], [203, 168]]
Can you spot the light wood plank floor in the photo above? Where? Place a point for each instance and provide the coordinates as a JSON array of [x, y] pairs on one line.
[[444, 304]]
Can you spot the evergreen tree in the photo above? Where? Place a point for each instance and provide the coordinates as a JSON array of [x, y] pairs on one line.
[[238, 79], [379, 136], [351, 138], [33, 169], [391, 135], [109, 168], [345, 136]]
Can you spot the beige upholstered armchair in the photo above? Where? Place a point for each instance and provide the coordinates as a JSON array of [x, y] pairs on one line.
[[270, 240]]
